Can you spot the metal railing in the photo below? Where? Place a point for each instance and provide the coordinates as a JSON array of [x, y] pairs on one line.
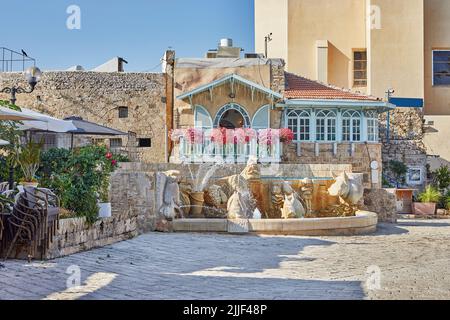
[[13, 61]]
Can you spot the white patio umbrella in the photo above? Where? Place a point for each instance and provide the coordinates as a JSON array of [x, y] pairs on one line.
[[45, 123], [12, 115], [3, 142]]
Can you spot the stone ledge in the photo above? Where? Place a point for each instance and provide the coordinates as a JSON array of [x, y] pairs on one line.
[[363, 223]]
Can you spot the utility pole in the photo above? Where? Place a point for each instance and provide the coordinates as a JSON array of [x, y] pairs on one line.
[[267, 39], [389, 94]]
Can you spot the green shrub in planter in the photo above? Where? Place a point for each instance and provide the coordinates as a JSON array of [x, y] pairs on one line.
[[428, 200], [79, 177], [430, 195]]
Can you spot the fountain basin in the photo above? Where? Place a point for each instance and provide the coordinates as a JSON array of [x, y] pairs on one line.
[[363, 223]]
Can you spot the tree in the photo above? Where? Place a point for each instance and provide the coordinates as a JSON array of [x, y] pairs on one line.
[[399, 169]]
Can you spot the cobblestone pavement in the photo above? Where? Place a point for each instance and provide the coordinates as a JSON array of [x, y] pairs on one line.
[[413, 257]]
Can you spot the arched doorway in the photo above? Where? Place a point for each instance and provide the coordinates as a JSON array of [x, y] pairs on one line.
[[232, 116]]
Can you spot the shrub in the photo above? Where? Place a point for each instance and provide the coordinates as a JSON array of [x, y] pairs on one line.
[[442, 178], [430, 195], [80, 178]]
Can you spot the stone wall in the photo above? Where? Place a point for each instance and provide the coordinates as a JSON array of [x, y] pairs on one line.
[[406, 139], [383, 203], [133, 213], [358, 155], [76, 235], [96, 97]]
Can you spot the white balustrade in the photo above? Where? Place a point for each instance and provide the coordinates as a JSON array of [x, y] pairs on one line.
[[216, 152]]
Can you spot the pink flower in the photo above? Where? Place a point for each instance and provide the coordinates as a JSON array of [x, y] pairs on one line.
[[286, 135], [114, 162], [109, 155]]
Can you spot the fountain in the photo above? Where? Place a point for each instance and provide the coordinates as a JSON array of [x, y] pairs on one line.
[[262, 204]]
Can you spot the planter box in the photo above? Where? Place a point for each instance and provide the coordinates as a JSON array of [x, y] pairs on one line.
[[425, 209]]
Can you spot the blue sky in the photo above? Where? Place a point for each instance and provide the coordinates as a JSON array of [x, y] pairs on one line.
[[138, 30]]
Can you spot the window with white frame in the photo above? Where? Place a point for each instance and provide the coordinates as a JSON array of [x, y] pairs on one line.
[[372, 126], [299, 121], [202, 118], [261, 120], [441, 67], [351, 126], [326, 125]]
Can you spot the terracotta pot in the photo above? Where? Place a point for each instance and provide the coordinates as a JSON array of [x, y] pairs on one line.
[[425, 209], [197, 202]]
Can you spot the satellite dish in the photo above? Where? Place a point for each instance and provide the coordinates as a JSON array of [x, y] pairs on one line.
[[375, 165]]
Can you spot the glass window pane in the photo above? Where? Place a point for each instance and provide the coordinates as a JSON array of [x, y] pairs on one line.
[[261, 119]]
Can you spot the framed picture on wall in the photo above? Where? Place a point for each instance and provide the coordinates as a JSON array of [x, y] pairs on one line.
[[415, 176]]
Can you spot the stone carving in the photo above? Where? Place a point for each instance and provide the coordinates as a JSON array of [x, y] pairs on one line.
[[277, 197], [307, 190], [292, 207], [168, 194], [239, 204], [185, 191], [350, 192], [215, 197]]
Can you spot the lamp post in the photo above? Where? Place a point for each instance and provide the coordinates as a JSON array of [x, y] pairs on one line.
[[32, 76]]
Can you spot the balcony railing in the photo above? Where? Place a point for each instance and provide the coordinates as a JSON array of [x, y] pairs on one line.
[[229, 146]]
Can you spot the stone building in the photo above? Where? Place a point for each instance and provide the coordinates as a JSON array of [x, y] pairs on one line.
[[330, 125], [129, 102]]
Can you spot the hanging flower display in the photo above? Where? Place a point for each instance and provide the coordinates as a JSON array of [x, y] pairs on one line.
[[250, 134], [286, 135], [219, 136], [240, 136], [265, 136], [194, 135]]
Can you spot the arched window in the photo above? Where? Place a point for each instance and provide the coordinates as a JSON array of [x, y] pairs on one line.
[[326, 125], [202, 118], [225, 116], [299, 121], [351, 126], [261, 119], [372, 126]]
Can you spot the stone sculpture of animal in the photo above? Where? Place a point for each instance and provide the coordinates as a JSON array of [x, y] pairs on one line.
[[351, 190]]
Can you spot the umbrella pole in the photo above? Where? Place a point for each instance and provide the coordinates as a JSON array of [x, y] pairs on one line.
[[71, 141]]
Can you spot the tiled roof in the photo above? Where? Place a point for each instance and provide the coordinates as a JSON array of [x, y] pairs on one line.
[[301, 88]]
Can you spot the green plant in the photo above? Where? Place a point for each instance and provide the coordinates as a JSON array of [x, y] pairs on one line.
[[80, 178], [430, 195], [399, 169], [442, 178], [28, 158], [9, 132]]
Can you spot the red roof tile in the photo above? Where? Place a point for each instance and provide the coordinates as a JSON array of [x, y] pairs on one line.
[[301, 88]]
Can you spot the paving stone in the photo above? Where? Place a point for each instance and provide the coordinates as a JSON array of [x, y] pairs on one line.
[[413, 258]]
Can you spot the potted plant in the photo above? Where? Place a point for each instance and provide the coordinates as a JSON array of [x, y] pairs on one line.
[[28, 158], [428, 200]]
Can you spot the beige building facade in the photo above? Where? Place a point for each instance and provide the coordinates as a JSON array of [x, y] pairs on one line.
[[370, 46]]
